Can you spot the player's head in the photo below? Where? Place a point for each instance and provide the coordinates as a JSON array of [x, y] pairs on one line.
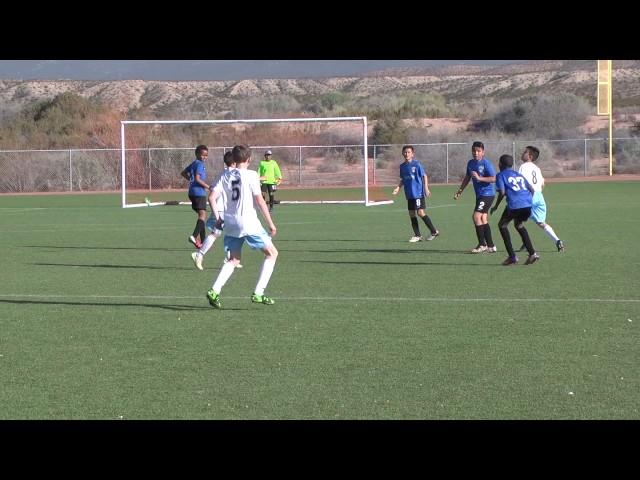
[[228, 158], [267, 155], [477, 150], [202, 152], [407, 152], [506, 161], [241, 154], [530, 152]]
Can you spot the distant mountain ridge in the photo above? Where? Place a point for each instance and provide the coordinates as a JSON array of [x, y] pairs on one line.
[[456, 82]]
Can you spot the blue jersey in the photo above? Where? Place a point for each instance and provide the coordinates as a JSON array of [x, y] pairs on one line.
[[412, 175], [515, 187], [484, 169], [196, 167]]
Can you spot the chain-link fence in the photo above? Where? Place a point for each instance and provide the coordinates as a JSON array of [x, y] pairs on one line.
[[152, 169]]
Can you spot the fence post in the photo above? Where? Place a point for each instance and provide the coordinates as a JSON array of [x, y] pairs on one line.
[[585, 157], [447, 178], [374, 165], [299, 166], [70, 173], [149, 165]]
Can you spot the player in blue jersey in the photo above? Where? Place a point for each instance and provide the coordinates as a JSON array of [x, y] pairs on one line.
[[481, 171], [196, 173], [415, 182], [519, 193]]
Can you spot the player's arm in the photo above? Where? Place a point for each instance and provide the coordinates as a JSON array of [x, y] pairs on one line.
[[500, 197], [185, 173], [262, 205], [427, 192], [483, 179], [397, 189], [200, 182], [465, 182]]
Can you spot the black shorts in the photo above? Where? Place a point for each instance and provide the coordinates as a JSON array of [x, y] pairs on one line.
[[483, 204], [520, 215], [269, 188], [416, 203], [198, 203]]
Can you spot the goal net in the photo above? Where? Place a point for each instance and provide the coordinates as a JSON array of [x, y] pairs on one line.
[[322, 160]]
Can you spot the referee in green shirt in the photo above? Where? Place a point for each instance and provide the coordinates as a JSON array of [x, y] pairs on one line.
[[270, 177]]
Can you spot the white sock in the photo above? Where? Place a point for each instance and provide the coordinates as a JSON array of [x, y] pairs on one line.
[[223, 276], [206, 245], [265, 274], [549, 231]]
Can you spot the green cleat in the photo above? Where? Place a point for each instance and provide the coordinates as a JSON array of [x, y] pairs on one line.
[[262, 299], [214, 299]]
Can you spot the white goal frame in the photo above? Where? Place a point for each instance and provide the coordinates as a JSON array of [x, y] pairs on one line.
[[365, 156]]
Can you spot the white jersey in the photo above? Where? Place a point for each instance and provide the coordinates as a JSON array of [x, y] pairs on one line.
[[533, 174], [240, 186], [221, 200]]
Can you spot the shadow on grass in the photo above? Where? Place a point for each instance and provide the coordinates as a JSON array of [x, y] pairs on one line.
[[345, 262], [93, 304], [148, 267], [86, 247]]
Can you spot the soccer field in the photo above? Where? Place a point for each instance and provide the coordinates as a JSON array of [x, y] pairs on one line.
[[103, 314]]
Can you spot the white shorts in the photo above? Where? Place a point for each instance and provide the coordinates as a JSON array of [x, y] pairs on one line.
[[258, 241], [538, 208]]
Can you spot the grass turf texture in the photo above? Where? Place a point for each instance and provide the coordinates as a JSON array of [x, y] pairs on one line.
[[104, 316]]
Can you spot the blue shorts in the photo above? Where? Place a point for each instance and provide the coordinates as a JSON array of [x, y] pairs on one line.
[[538, 208], [259, 241]]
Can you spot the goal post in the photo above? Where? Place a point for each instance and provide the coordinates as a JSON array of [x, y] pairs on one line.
[[323, 160]]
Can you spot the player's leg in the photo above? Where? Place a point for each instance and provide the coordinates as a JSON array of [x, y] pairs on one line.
[[486, 228], [503, 226], [234, 245], [427, 221], [264, 243], [196, 206], [521, 217], [272, 194], [412, 206], [477, 222]]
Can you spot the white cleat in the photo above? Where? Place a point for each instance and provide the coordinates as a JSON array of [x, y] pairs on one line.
[[197, 260], [479, 249], [415, 239]]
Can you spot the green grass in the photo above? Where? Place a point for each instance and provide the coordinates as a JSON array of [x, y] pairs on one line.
[[103, 315]]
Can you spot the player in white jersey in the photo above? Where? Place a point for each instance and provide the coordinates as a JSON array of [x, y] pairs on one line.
[[533, 174], [214, 232], [241, 188]]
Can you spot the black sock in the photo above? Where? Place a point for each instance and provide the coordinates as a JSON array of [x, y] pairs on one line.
[[480, 234], [504, 231], [200, 229], [414, 225], [487, 235], [526, 240], [429, 224]]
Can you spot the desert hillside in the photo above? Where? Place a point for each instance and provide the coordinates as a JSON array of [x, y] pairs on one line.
[[454, 82]]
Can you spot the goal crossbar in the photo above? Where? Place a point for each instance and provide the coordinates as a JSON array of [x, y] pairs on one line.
[[362, 119]]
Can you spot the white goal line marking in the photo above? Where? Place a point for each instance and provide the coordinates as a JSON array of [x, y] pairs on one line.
[[337, 299]]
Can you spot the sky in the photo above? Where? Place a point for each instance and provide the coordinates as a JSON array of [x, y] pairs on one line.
[[176, 70]]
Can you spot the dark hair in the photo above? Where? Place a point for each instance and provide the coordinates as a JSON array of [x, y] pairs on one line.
[[228, 158], [535, 152], [506, 161], [201, 148], [408, 146], [241, 153], [477, 145]]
